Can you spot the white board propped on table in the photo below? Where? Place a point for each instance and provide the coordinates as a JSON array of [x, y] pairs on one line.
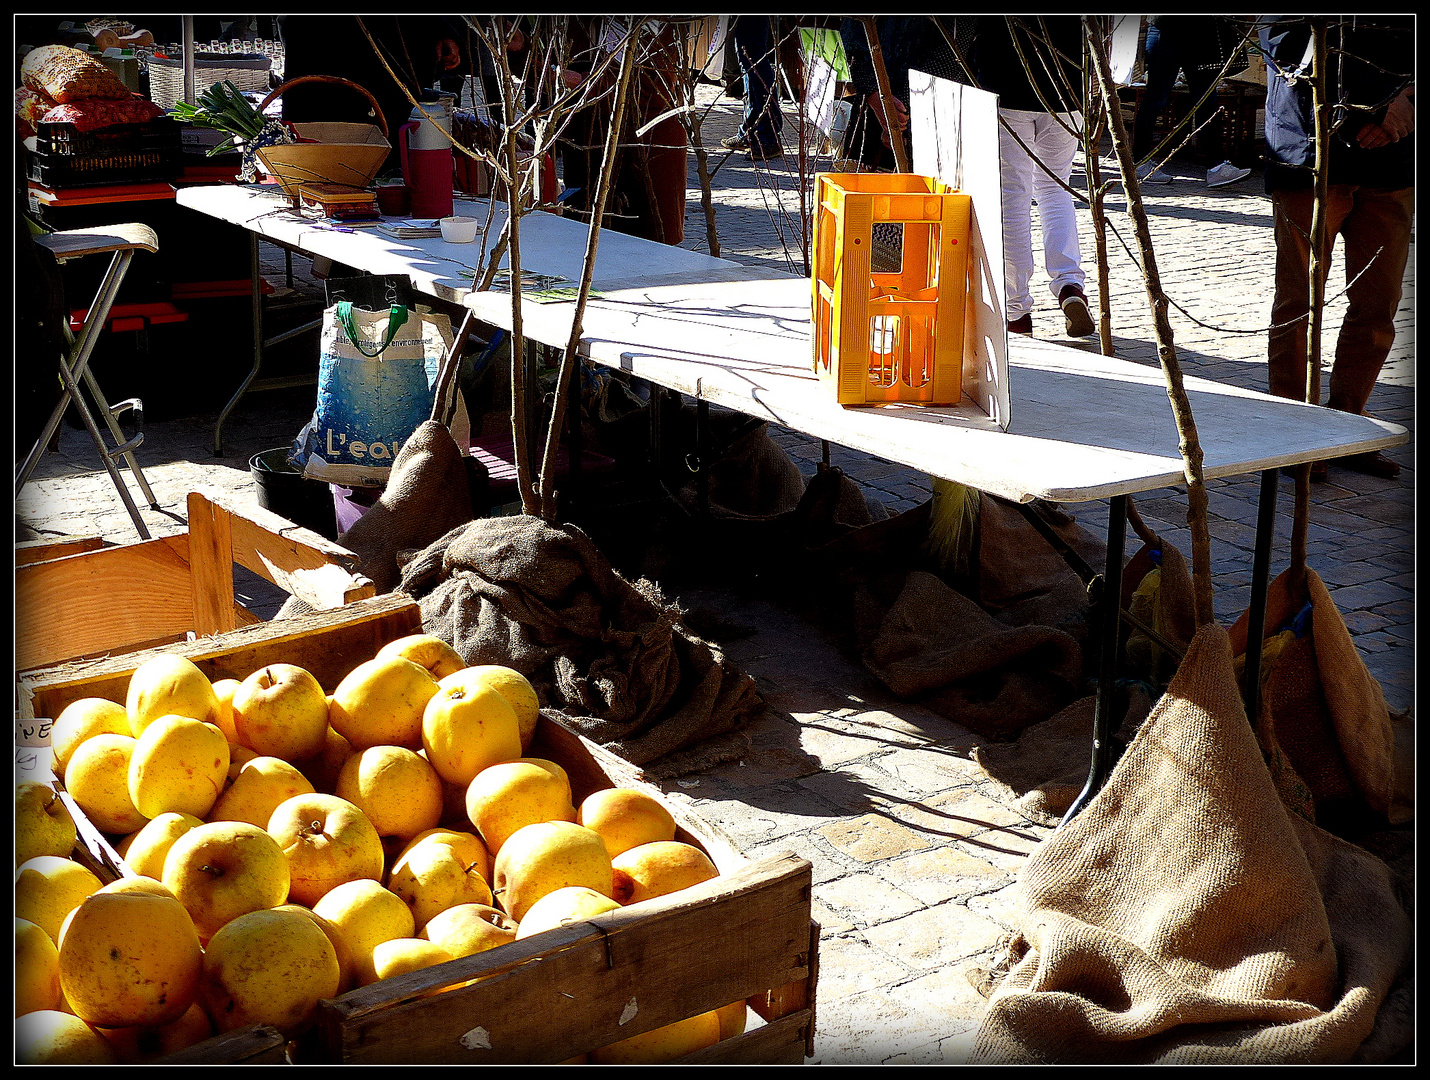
[[955, 136]]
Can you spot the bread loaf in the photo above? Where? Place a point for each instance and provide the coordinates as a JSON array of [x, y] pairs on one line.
[[64, 75]]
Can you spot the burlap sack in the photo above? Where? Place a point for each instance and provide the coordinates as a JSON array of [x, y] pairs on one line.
[[1022, 579], [612, 657], [1185, 917], [426, 495], [1162, 599], [1041, 772], [939, 647], [1322, 710]]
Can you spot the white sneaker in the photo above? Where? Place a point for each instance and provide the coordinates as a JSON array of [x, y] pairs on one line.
[[1151, 174], [1226, 173]]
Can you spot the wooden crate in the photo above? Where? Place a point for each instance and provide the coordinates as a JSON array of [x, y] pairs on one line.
[[77, 599], [747, 934]]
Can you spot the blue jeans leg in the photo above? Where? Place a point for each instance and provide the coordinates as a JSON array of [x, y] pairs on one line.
[[754, 48]]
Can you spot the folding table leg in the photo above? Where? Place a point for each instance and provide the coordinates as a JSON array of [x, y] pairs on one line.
[[1109, 625], [1260, 583]]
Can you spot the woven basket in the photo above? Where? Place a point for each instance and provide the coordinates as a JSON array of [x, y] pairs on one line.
[[247, 71], [343, 153]]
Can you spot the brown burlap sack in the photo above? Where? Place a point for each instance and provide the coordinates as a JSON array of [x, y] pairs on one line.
[[1162, 598], [1321, 707], [1022, 579], [1184, 917], [939, 647], [612, 657], [426, 495], [1041, 772]]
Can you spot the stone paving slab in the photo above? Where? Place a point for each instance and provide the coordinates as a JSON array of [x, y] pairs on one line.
[[915, 859]]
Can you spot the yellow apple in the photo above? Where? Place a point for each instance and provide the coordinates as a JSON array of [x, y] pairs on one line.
[[169, 685], [145, 851], [268, 967], [401, 955], [505, 797], [43, 825], [224, 689], [326, 841], [432, 876], [364, 915], [545, 856], [98, 780], [130, 959], [380, 703], [78, 721], [259, 788], [50, 1037], [626, 818], [467, 726], [238, 756], [469, 847], [554, 769], [663, 1044], [732, 1019], [345, 976], [395, 787], [48, 888], [281, 711], [467, 929], [178, 766], [659, 868], [574, 903], [135, 884], [428, 650], [519, 693], [141, 1045], [37, 969], [223, 869], [323, 767]]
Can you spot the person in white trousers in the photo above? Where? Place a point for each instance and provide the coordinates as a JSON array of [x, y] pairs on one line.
[[1033, 64], [1050, 138]]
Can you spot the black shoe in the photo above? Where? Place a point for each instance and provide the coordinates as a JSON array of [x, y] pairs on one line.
[[1074, 305], [737, 141], [765, 153], [1021, 325], [1373, 463]]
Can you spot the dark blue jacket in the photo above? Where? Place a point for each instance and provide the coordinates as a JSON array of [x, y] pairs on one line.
[[1369, 67]]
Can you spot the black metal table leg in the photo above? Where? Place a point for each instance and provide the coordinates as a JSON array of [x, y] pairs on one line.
[[1260, 583], [1109, 625]]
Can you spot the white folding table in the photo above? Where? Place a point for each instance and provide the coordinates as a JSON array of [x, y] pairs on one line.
[[1082, 426]]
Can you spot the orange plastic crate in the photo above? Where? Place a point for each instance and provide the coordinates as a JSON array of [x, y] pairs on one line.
[[889, 305]]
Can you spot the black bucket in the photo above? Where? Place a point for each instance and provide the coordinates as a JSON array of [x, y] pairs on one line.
[[288, 493]]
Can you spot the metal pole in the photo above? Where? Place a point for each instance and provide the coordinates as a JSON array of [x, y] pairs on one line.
[[1260, 582], [189, 59]]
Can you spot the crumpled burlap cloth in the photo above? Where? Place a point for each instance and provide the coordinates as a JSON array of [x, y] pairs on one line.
[[426, 495], [1185, 917], [610, 656]]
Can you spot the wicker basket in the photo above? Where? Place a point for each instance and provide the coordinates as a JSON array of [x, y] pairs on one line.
[[247, 71], [343, 153]]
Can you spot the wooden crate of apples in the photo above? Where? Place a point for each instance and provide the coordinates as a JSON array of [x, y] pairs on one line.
[[331, 867]]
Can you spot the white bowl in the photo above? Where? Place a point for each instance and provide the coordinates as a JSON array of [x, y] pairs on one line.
[[459, 230]]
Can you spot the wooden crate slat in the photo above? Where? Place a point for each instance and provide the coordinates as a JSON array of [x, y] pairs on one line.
[[32, 551], [346, 637], [782, 1042], [704, 947], [258, 1045], [101, 601]]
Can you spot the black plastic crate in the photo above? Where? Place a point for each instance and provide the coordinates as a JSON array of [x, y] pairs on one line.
[[65, 157], [63, 138], [112, 167]]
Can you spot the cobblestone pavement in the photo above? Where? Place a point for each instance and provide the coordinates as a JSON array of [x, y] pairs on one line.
[[915, 860]]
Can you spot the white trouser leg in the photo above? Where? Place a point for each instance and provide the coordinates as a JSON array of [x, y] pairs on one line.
[[1017, 183], [1057, 219]]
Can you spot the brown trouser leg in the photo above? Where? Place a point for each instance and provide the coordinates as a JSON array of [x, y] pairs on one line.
[[1374, 224]]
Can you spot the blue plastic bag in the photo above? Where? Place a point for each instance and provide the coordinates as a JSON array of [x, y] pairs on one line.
[[377, 373]]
